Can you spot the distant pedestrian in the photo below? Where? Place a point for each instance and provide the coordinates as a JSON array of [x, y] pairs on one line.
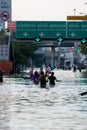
[[31, 72], [36, 77], [52, 79], [74, 68], [41, 69], [48, 70], [80, 69]]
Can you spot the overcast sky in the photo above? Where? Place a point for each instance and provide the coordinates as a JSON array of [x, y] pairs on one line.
[[46, 10]]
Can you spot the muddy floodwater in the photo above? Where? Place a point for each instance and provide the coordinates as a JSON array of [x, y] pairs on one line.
[[25, 106]]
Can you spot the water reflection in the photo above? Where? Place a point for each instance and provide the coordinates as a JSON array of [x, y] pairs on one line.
[[84, 74], [24, 106]]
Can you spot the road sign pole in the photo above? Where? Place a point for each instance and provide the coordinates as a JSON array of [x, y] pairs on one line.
[[66, 28], [52, 56], [9, 41]]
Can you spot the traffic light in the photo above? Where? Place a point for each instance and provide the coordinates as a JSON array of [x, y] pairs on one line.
[[37, 39], [60, 39], [83, 41], [78, 50]]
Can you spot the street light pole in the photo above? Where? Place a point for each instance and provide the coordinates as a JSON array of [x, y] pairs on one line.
[[74, 12], [59, 52]]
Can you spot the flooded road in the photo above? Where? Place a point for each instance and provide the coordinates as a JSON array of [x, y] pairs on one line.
[[25, 106]]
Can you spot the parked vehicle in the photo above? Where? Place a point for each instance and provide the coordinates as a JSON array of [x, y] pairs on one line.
[[68, 65]]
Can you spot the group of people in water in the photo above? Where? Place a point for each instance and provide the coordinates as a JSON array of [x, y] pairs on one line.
[[43, 77]]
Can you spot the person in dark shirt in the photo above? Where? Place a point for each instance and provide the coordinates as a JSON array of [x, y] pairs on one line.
[[52, 79], [1, 76], [36, 78], [42, 80]]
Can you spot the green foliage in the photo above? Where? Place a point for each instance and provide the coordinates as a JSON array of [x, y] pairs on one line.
[[22, 52], [84, 49]]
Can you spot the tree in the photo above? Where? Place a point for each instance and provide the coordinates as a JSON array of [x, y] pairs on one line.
[[23, 51], [84, 49]]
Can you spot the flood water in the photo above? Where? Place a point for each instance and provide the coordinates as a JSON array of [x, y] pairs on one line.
[[25, 106]]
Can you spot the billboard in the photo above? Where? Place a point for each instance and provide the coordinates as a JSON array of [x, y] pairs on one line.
[[11, 26], [77, 17], [6, 65], [5, 10]]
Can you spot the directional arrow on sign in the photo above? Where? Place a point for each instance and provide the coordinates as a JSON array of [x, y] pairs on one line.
[[83, 40], [72, 34], [58, 34], [25, 34], [41, 34]]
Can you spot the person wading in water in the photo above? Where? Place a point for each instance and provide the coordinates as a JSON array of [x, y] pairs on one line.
[[52, 79], [42, 80], [36, 78]]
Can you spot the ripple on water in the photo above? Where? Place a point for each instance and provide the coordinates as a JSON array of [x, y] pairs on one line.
[[24, 106]]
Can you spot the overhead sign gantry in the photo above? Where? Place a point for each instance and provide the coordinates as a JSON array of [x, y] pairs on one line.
[[51, 29]]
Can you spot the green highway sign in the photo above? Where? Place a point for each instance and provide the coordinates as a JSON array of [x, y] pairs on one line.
[[51, 29], [42, 29], [76, 29]]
